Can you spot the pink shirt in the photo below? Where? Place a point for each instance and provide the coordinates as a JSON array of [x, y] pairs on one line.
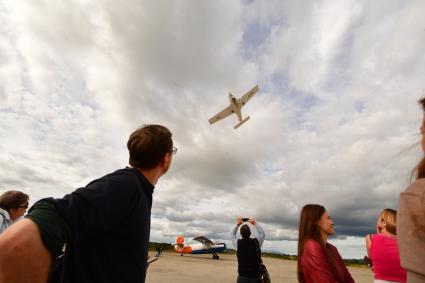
[[386, 259]]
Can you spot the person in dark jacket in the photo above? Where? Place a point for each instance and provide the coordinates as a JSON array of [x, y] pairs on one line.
[[103, 228], [247, 250]]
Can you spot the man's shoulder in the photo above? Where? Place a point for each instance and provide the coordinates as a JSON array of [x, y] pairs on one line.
[[119, 176]]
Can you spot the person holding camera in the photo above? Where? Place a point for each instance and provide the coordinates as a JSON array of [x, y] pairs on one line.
[[247, 250]]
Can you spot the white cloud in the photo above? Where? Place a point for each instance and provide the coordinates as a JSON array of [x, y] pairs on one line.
[[334, 121]]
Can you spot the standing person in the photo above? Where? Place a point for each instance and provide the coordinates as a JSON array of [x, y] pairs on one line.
[[247, 250], [104, 226], [382, 249], [318, 261], [13, 205], [411, 220]]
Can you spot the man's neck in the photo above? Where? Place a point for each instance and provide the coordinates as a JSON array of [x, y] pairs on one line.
[[152, 175]]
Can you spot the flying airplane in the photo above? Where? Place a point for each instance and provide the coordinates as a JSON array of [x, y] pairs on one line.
[[235, 107], [205, 246]]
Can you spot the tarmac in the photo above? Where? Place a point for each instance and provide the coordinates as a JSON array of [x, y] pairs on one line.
[[171, 267]]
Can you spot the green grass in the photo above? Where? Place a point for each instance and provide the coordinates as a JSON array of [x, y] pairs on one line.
[[170, 247]]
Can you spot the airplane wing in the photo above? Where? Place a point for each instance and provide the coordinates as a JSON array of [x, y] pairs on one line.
[[203, 240], [223, 114], [247, 96]]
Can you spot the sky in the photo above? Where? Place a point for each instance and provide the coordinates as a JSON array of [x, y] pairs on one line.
[[335, 122]]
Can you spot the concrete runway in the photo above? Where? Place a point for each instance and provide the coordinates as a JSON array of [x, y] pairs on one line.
[[172, 267]]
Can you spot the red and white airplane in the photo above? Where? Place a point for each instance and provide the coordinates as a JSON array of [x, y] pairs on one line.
[[235, 107], [205, 246]]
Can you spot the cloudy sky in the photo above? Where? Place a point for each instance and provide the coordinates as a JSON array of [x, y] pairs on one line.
[[336, 120]]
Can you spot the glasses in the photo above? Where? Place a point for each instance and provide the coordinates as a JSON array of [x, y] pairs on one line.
[[174, 150], [23, 206]]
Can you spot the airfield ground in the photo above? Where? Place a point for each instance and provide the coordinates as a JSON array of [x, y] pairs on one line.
[[172, 267]]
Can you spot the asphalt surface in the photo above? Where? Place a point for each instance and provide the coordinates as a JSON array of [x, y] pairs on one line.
[[172, 267]]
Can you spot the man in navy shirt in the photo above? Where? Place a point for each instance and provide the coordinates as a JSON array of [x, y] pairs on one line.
[[103, 228]]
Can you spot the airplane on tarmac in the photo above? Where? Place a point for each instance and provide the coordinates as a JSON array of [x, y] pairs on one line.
[[205, 246], [235, 107]]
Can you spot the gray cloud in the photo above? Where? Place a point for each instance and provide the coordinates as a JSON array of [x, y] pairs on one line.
[[335, 121]]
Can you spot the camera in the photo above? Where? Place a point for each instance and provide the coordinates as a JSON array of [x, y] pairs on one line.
[[245, 219]]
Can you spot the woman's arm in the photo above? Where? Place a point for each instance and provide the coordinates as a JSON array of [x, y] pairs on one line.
[[368, 244]]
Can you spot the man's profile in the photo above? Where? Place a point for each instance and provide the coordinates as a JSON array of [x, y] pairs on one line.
[[104, 226]]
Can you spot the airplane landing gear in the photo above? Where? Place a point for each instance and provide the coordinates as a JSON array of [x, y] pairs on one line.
[[215, 256]]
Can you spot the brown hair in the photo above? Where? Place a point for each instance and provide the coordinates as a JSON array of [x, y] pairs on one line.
[[309, 229], [13, 199], [245, 231], [390, 217], [419, 171], [148, 145]]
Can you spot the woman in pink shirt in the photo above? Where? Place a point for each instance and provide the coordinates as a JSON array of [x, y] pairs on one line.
[[382, 249], [318, 261]]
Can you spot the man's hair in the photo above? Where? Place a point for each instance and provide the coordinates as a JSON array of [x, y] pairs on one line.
[[13, 199], [389, 216], [245, 231], [148, 145]]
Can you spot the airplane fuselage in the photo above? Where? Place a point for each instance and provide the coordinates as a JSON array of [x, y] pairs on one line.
[[200, 248], [236, 108]]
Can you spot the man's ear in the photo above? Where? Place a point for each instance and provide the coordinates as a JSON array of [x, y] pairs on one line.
[[166, 160]]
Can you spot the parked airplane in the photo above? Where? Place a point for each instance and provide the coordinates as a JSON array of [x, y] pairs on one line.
[[205, 246], [235, 107]]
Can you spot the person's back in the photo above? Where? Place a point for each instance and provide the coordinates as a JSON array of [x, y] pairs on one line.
[[411, 221], [104, 227], [386, 259], [411, 230], [109, 221], [248, 251], [248, 261]]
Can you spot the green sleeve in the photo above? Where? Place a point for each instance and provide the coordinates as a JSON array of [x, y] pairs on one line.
[[53, 229]]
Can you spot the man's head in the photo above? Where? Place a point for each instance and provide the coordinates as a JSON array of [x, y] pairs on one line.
[[245, 231], [15, 203], [149, 146]]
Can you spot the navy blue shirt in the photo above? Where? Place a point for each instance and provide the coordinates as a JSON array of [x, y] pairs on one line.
[[109, 223]]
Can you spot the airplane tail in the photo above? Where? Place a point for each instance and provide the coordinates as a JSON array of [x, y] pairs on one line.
[[179, 245], [240, 124]]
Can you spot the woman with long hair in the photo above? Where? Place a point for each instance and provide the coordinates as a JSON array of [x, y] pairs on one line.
[[318, 261], [382, 249], [411, 220]]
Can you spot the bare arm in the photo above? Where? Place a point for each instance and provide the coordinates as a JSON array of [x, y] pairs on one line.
[[368, 244], [23, 257]]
